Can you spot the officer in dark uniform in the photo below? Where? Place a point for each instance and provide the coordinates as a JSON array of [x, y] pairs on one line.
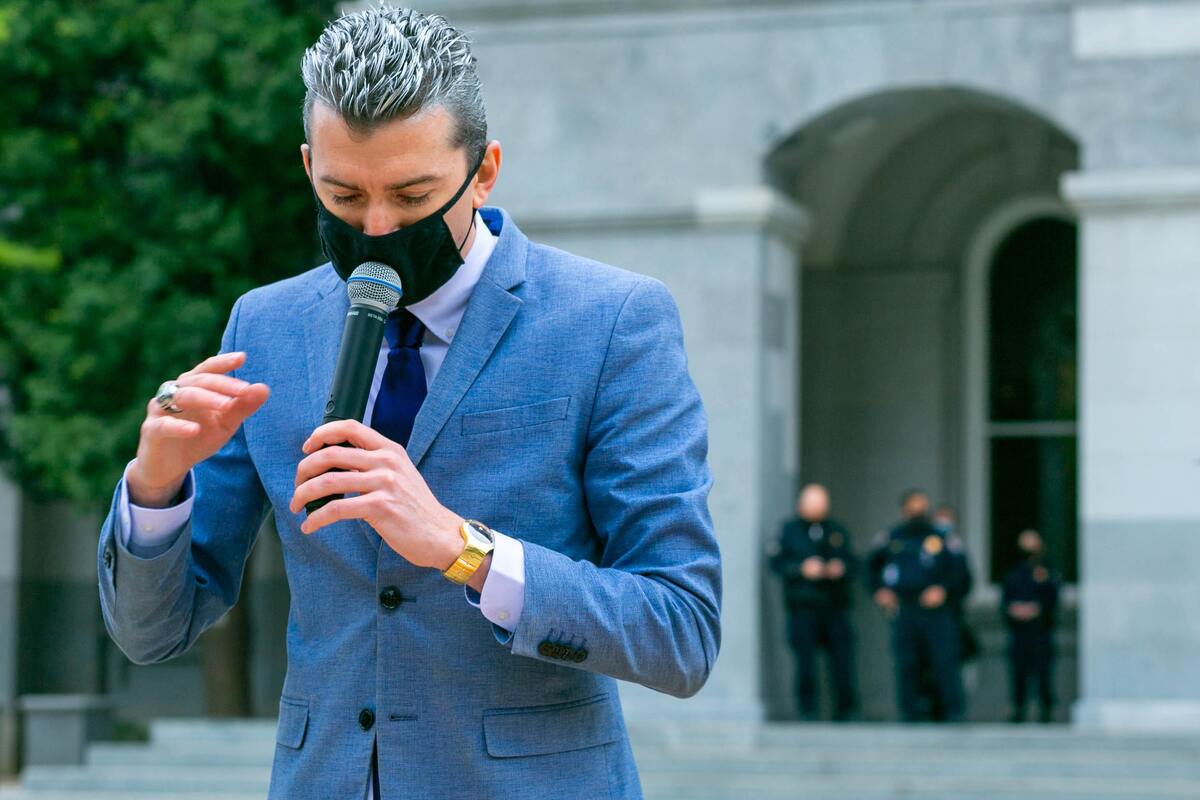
[[945, 519], [918, 580], [814, 558], [1029, 602]]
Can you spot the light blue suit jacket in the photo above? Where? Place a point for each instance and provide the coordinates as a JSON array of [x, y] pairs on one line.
[[563, 415]]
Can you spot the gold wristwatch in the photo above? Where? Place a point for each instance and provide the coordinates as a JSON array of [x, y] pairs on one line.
[[479, 540]]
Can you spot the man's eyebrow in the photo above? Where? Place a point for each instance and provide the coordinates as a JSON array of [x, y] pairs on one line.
[[391, 187]]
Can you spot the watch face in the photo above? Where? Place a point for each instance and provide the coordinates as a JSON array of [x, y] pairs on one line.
[[482, 530]]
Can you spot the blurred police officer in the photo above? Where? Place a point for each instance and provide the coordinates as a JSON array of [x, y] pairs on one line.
[[814, 558], [1029, 602], [917, 577], [945, 519]]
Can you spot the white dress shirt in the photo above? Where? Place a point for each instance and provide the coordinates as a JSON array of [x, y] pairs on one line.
[[147, 532]]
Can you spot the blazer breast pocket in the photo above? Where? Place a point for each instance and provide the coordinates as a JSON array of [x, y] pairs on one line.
[[513, 417]]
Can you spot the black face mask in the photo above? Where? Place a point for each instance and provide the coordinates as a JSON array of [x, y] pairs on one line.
[[423, 254]]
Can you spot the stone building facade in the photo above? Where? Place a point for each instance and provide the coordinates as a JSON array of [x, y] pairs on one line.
[[946, 243]]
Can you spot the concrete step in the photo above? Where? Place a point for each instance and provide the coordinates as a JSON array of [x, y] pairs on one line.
[[131, 754], [663, 786], [806, 761], [149, 779], [230, 760], [234, 733], [205, 730], [888, 764], [25, 794], [941, 737]]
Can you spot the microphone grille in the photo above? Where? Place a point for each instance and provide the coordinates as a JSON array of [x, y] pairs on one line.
[[374, 284]]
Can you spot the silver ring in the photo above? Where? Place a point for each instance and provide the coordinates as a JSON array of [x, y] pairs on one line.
[[166, 397]]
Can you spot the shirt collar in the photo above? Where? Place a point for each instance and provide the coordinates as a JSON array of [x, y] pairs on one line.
[[443, 310]]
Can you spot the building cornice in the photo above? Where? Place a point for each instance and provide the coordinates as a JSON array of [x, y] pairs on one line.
[[757, 208], [1132, 190]]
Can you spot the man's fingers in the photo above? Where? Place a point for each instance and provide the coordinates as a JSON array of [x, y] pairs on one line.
[[194, 398], [333, 483], [220, 363], [174, 427], [249, 400], [214, 382], [346, 430], [346, 508], [348, 458]]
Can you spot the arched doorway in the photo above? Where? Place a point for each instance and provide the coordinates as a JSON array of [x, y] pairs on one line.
[[1032, 403], [903, 189]]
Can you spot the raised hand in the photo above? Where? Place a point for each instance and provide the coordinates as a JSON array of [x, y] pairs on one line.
[[212, 405]]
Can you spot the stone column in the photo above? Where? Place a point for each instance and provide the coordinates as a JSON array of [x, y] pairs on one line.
[[10, 578], [1139, 447], [731, 262]]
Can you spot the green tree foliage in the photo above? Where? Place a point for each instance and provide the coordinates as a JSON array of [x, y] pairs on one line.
[[149, 174]]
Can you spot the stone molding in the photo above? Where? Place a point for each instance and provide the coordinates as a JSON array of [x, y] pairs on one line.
[[1135, 30], [758, 208], [1138, 715], [1132, 190]]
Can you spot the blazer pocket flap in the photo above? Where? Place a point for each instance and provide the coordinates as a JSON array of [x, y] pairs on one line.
[[525, 416], [293, 722], [540, 730]]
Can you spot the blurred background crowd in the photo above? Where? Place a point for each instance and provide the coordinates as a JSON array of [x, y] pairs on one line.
[[918, 575]]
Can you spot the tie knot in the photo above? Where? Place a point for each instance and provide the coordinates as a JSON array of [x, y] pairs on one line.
[[403, 329]]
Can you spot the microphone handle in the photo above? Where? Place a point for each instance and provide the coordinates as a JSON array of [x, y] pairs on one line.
[[362, 336]]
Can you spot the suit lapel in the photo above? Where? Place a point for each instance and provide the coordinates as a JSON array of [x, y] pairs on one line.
[[323, 322], [489, 313]]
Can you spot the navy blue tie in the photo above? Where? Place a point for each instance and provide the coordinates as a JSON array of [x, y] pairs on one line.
[[403, 389]]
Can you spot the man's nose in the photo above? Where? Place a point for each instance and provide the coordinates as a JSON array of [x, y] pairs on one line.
[[379, 220]]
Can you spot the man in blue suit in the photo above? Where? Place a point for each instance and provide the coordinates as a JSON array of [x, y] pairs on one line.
[[525, 515]]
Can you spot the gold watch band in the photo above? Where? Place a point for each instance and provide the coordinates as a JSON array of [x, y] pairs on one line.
[[478, 541]]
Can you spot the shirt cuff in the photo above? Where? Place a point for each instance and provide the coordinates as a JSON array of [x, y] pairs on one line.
[[147, 531], [503, 597]]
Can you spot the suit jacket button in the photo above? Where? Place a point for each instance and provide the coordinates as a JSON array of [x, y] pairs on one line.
[[579, 655], [390, 598], [366, 718], [546, 649]]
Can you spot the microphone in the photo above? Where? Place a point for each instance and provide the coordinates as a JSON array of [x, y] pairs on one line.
[[374, 291]]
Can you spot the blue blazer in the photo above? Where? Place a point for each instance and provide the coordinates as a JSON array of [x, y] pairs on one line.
[[562, 415]]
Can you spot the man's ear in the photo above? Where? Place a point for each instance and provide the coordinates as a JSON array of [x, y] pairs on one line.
[[306, 157], [485, 178]]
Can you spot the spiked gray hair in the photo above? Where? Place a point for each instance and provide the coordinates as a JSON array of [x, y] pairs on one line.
[[388, 63]]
